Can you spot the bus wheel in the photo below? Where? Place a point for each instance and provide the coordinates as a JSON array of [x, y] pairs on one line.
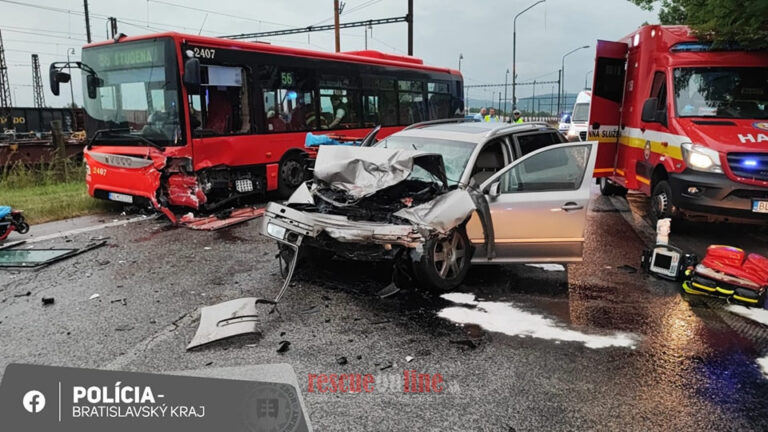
[[291, 175], [609, 188], [661, 202]]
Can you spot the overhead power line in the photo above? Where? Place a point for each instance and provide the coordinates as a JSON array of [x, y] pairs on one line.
[[219, 13], [317, 28]]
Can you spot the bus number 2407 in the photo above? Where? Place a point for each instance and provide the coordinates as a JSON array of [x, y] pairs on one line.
[[208, 53]]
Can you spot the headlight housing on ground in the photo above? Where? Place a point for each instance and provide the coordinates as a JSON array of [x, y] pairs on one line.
[[276, 231], [701, 158]]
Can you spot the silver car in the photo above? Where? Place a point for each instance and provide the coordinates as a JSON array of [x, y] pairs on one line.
[[439, 196]]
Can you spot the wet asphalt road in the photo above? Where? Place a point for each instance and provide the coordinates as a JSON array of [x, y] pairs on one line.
[[664, 364]]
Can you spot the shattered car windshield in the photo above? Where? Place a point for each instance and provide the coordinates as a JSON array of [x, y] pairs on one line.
[[455, 154]]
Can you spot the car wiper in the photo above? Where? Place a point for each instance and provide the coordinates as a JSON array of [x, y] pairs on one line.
[[113, 133]]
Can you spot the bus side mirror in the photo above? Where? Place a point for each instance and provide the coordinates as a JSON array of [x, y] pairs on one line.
[[55, 77], [649, 110], [92, 83], [192, 79]]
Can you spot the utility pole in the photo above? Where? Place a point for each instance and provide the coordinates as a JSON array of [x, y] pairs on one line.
[[112, 27], [514, 51], [410, 27], [533, 103], [336, 24], [87, 21], [37, 83], [5, 87], [506, 77], [559, 89]]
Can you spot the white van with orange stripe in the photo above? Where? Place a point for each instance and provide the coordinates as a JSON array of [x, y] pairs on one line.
[[683, 122]]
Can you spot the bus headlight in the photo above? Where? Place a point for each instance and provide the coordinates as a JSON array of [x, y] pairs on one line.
[[276, 231], [701, 158]]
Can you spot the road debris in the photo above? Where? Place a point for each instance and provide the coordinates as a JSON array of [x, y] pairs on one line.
[[408, 359], [26, 294], [36, 258], [341, 360], [548, 267], [94, 296], [283, 346], [48, 300], [123, 301]]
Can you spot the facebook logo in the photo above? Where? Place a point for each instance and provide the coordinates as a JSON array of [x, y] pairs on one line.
[[34, 401]]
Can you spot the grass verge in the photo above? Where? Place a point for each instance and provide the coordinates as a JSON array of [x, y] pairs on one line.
[[49, 202]]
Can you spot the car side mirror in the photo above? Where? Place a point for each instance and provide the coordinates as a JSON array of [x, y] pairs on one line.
[[494, 190], [55, 77], [649, 110], [92, 83], [192, 78]]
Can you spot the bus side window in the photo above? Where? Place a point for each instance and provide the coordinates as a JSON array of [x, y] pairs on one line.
[[289, 99], [439, 100], [338, 103], [379, 102], [411, 102], [223, 107]]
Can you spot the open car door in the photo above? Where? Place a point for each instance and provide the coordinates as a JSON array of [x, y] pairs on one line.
[[605, 108], [539, 206]]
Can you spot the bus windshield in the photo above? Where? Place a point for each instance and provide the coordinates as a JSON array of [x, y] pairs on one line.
[[137, 92], [723, 92]]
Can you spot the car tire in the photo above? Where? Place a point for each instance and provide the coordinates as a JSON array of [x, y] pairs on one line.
[[609, 188], [662, 205], [445, 261], [290, 175]]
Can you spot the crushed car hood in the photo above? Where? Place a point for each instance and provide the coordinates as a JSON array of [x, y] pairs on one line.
[[362, 171]]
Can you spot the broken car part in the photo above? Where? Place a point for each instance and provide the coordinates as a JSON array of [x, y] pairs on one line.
[[35, 258], [241, 316]]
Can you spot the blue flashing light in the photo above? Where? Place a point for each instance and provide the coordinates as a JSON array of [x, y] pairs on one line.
[[291, 95], [749, 163]]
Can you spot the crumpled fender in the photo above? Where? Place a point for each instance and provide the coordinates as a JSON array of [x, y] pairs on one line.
[[183, 190]]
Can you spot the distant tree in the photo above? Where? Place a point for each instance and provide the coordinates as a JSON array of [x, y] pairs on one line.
[[719, 21]]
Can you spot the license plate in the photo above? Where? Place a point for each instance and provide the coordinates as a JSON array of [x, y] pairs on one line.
[[129, 199], [760, 206]]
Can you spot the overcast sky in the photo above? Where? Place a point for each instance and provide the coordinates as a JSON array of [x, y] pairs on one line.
[[443, 29]]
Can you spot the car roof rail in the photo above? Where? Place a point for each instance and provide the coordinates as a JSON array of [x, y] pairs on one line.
[[510, 126], [441, 121]]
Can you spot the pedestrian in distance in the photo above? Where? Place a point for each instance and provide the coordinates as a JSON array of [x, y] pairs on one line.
[[481, 115], [516, 117]]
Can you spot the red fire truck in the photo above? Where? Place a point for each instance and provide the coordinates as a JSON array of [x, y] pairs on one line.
[[180, 121], [684, 122]]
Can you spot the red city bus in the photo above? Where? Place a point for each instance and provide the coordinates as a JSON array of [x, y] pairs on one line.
[[180, 121], [684, 122]]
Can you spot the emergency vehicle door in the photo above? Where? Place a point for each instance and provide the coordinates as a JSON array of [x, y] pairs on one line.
[[605, 109]]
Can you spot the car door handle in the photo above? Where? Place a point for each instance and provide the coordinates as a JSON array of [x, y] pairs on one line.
[[571, 206]]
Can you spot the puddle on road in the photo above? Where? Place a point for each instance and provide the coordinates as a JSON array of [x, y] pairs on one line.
[[509, 319]]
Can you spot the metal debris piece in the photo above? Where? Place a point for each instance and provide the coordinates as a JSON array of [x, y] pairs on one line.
[[386, 366], [94, 296], [388, 291], [221, 220], [341, 360], [48, 300], [26, 294], [408, 359], [123, 301], [283, 347]]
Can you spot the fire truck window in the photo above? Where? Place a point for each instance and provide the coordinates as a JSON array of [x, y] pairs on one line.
[[659, 90], [289, 99], [223, 107], [411, 105], [379, 102], [339, 99], [609, 78]]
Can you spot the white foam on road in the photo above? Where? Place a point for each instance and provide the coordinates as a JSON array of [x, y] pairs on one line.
[[548, 267], [508, 319], [754, 314], [763, 363]]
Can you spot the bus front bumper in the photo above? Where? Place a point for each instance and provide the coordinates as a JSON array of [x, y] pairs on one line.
[[716, 198]]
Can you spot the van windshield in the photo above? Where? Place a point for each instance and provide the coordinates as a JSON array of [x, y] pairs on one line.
[[580, 112], [724, 92]]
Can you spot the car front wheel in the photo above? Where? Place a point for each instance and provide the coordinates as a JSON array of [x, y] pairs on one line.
[[446, 261]]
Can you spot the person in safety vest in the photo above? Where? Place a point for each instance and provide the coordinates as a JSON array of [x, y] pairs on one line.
[[516, 118], [491, 117]]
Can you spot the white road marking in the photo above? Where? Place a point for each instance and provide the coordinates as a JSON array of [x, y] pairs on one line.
[[89, 229], [508, 319]]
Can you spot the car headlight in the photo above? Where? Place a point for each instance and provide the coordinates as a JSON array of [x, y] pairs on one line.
[[276, 231], [701, 158]]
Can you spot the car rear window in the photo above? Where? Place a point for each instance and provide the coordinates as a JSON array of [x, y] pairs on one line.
[[531, 142]]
